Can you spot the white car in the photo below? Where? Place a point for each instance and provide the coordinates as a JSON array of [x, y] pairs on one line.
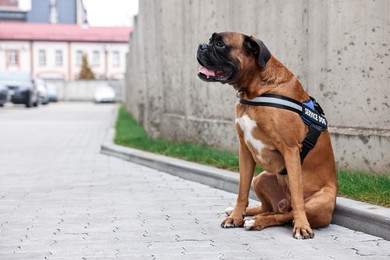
[[53, 93], [105, 94], [42, 92]]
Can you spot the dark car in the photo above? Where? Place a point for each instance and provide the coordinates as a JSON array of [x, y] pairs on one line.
[[3, 94], [21, 86]]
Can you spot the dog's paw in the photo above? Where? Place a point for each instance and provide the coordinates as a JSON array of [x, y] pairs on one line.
[[303, 233], [232, 222], [229, 210], [249, 223], [227, 225]]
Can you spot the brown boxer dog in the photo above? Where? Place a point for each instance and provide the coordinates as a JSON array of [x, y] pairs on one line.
[[289, 190]]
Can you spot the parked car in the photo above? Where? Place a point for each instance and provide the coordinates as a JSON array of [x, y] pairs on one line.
[[52, 91], [4, 96], [21, 86], [42, 91], [104, 94]]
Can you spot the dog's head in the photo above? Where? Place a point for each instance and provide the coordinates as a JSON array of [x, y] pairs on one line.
[[229, 56]]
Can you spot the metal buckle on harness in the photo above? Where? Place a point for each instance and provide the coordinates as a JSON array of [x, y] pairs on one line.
[[317, 106]]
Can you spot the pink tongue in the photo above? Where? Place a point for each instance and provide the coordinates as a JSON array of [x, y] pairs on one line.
[[208, 73]]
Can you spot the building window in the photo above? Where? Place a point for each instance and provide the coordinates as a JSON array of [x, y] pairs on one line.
[[79, 58], [13, 57], [58, 57], [115, 58], [96, 58], [42, 57]]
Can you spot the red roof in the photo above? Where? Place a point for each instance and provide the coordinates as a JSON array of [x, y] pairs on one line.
[[8, 3], [63, 32]]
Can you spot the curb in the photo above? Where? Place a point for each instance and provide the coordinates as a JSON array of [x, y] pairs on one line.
[[359, 216]]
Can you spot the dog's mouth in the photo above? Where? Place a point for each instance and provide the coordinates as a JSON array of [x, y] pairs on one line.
[[207, 74]]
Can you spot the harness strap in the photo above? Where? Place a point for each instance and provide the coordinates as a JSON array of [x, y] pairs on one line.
[[310, 140], [310, 112], [273, 100]]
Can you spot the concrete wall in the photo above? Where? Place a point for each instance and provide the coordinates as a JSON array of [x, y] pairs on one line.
[[339, 49]]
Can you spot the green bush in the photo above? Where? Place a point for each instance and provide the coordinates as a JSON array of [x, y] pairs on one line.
[[86, 73]]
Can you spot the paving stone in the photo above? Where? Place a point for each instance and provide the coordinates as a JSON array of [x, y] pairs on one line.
[[61, 199]]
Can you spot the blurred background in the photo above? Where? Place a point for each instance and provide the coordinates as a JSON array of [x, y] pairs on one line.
[[71, 48]]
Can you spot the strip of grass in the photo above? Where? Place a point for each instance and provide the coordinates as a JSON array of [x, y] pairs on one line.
[[130, 133], [356, 185], [374, 189]]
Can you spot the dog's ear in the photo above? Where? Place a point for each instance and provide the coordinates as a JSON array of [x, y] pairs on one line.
[[257, 47]]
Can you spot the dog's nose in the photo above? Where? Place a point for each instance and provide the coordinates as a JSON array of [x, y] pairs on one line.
[[202, 46]]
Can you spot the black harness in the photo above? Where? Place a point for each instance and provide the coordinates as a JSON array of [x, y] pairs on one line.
[[310, 112]]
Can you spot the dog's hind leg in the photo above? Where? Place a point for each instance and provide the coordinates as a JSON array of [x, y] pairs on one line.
[[270, 193], [252, 211], [319, 207], [261, 221]]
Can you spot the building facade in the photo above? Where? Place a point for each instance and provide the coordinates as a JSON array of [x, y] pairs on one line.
[[14, 10], [43, 11], [57, 11], [51, 51]]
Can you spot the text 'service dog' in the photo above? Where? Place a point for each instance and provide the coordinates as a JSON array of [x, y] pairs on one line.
[[282, 129]]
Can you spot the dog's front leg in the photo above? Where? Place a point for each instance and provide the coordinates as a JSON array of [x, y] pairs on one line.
[[302, 229], [247, 168]]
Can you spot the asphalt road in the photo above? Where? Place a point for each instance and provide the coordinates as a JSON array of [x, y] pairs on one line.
[[60, 198]]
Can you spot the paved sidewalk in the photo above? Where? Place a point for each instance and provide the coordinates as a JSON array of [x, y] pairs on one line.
[[61, 199]]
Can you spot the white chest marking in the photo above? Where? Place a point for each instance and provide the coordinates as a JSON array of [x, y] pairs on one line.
[[247, 125]]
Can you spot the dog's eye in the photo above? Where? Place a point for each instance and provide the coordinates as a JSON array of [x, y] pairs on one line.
[[219, 44]]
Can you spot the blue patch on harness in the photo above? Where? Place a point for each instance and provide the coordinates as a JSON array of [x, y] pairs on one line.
[[309, 104], [312, 114]]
